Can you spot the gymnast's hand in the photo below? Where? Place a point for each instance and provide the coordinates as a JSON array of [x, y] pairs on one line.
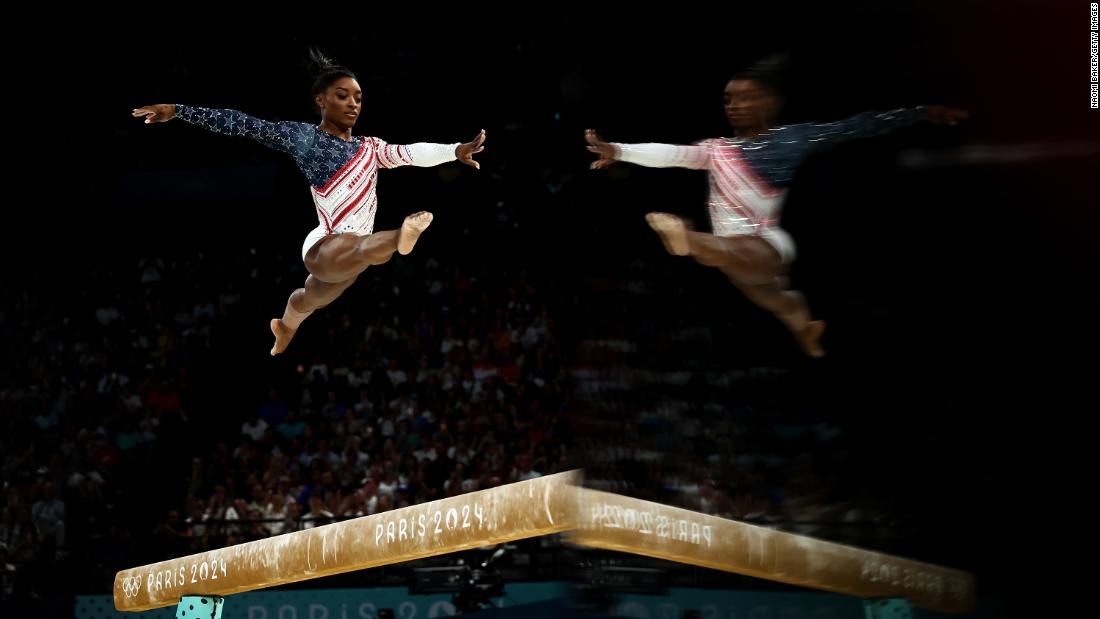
[[943, 115], [596, 145], [159, 113], [465, 152]]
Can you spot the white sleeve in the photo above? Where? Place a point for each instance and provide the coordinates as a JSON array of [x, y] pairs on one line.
[[663, 155], [420, 154]]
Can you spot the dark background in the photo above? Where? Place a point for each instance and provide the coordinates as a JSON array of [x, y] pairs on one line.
[[960, 294]]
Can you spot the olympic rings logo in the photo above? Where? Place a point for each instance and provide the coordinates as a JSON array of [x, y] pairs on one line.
[[131, 586]]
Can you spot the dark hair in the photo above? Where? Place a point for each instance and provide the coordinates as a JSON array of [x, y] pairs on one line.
[[770, 72], [326, 71]]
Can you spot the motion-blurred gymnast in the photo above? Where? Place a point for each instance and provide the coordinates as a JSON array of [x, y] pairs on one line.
[[748, 176]]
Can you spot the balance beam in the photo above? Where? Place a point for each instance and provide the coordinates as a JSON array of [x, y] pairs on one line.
[[615, 522], [544, 506], [515, 511]]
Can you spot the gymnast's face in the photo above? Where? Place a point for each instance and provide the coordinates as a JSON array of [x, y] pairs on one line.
[[750, 104], [341, 102]]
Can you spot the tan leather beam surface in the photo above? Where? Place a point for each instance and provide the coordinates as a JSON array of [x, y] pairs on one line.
[[543, 506], [525, 509], [621, 523]]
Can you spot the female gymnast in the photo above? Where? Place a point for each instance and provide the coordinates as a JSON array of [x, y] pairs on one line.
[[342, 170], [748, 178]]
